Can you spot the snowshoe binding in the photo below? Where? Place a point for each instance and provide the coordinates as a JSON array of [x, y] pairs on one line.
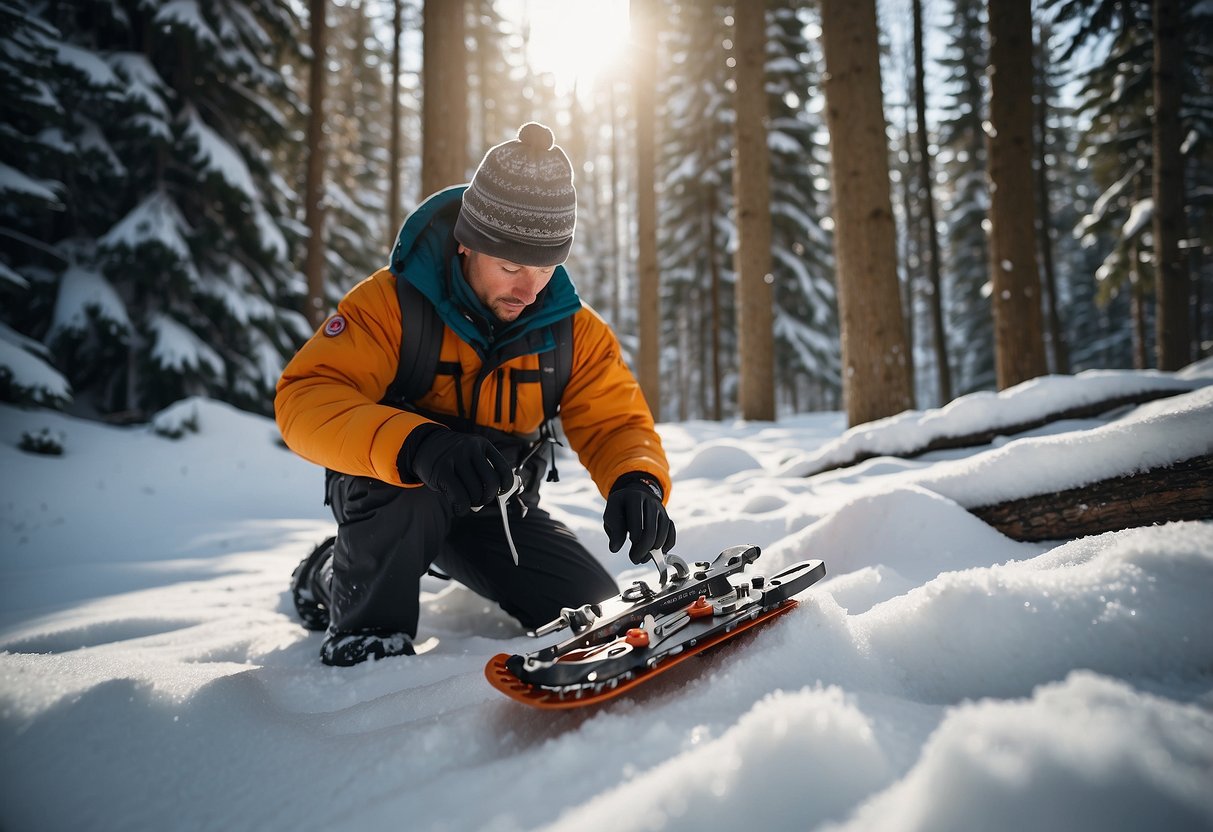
[[628, 639]]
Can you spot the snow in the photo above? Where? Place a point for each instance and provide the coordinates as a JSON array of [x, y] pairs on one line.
[[178, 348], [84, 292], [155, 221], [185, 13], [943, 677], [217, 156], [25, 365], [1140, 217], [90, 65], [985, 410], [143, 82], [14, 280], [13, 181]]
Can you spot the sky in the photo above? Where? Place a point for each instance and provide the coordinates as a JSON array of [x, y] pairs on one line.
[[942, 676]]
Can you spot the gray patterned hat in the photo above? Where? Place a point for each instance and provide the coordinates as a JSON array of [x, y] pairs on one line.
[[521, 205]]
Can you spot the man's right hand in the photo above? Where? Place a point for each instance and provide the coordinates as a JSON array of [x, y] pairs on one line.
[[464, 468]]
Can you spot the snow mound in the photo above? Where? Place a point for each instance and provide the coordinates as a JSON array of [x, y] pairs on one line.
[[717, 460], [1085, 753], [754, 775], [153, 675]]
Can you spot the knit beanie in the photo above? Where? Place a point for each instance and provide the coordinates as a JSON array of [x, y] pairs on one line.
[[521, 205]]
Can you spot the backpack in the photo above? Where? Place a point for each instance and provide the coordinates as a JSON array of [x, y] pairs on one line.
[[421, 344]]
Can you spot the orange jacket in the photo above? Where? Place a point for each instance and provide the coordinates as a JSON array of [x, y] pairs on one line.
[[328, 399]]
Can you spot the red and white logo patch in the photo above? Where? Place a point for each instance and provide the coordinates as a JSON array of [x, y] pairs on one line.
[[335, 326]]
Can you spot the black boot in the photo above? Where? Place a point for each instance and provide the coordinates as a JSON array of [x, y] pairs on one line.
[[346, 649], [310, 586]]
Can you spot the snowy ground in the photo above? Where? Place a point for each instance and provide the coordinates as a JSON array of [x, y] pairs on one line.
[[943, 678]]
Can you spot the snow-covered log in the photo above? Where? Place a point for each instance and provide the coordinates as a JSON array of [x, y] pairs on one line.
[[1182, 491]]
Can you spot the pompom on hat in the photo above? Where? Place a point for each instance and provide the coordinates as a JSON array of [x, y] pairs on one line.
[[521, 205]]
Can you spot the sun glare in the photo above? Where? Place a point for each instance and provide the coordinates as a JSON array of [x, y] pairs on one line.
[[579, 42]]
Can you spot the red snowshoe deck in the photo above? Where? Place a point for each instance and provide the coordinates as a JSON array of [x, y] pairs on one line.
[[502, 679]]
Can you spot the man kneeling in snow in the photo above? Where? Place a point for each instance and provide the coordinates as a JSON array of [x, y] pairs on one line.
[[425, 471]]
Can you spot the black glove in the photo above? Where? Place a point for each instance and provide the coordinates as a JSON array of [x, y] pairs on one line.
[[464, 468], [634, 508]]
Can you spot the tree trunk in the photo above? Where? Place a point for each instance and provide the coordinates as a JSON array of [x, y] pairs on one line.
[[1057, 338], [938, 337], [1171, 273], [714, 299], [313, 268], [1182, 491], [617, 205], [1198, 281], [394, 208], [444, 113], [644, 45], [875, 355], [752, 188], [912, 237], [1018, 332], [1137, 308]]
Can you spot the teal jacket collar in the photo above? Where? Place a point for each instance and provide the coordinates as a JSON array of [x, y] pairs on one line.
[[425, 256]]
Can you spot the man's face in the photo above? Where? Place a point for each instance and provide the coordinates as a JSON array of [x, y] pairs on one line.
[[504, 287]]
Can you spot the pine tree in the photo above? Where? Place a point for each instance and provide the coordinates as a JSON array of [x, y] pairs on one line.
[[360, 233], [171, 269], [806, 311], [696, 169], [34, 150], [1115, 42]]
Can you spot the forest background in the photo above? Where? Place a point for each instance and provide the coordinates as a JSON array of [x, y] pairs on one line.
[[187, 192]]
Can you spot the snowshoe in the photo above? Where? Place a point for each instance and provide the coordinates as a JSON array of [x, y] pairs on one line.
[[642, 632]]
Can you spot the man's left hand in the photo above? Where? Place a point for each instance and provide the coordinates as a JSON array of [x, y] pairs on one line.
[[634, 509]]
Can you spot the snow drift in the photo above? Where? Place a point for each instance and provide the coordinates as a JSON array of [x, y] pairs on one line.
[[943, 676]]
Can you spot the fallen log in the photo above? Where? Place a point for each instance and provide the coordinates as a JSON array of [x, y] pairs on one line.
[[986, 436], [1182, 491]]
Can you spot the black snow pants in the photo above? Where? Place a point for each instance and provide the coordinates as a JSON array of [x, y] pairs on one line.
[[388, 537]]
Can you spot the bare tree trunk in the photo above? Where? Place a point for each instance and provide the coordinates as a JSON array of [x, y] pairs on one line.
[[938, 337], [1137, 308], [1171, 273], [482, 33], [912, 254], [394, 209], [1057, 338], [616, 206], [444, 128], [313, 268], [1198, 281], [644, 43], [1138, 299], [875, 355], [714, 294], [1018, 331], [752, 188]]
